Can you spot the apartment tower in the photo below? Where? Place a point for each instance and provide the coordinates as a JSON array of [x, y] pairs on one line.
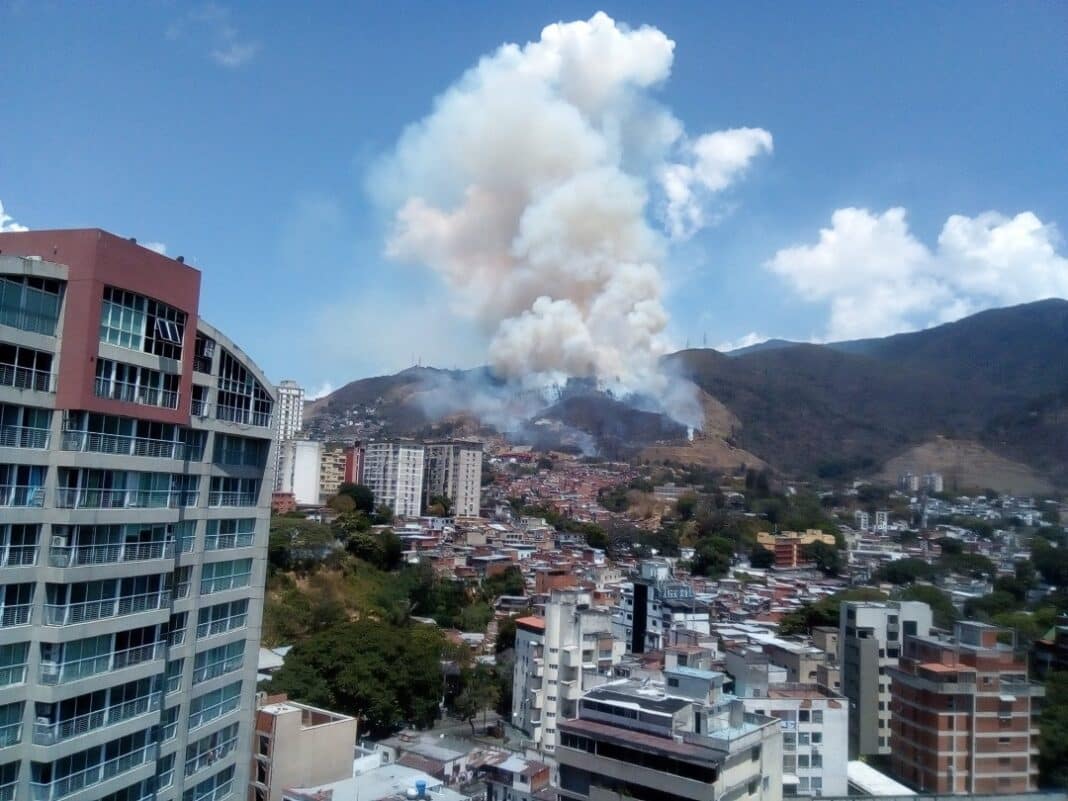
[[963, 715], [454, 469], [870, 637], [290, 416], [393, 470], [134, 441]]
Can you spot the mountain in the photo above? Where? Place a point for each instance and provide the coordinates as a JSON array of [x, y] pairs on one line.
[[997, 380]]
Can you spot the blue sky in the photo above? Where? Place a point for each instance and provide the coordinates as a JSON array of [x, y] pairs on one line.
[[241, 137]]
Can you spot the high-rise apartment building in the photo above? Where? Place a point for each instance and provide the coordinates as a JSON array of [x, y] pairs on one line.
[[870, 638], [558, 657], [454, 469], [134, 443], [299, 466], [681, 739], [333, 468], [289, 413], [657, 606], [963, 715], [393, 470]]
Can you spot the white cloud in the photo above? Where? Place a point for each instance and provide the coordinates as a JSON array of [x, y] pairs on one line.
[[159, 247], [711, 164], [211, 27], [879, 279], [7, 223]]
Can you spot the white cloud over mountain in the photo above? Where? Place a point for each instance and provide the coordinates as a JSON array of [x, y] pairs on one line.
[[878, 278]]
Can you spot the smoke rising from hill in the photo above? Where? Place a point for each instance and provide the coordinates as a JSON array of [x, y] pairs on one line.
[[544, 187]]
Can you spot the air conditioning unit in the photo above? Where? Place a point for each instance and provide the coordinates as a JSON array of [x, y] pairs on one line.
[[59, 540]]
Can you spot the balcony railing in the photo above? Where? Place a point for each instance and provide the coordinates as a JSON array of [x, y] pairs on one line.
[[216, 669], [133, 393], [122, 445], [61, 788], [27, 378], [110, 553], [11, 734], [7, 791], [221, 626], [210, 757], [237, 414], [12, 674], [21, 495], [72, 614], [221, 542], [199, 408], [52, 733], [216, 498], [65, 672], [67, 498], [24, 437], [18, 555], [218, 793], [34, 322], [15, 615]]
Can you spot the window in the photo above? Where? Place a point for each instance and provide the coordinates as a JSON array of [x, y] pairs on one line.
[[30, 303], [218, 786], [817, 737], [219, 661], [206, 708], [802, 760], [208, 750], [13, 660], [26, 368], [18, 544], [241, 398], [168, 723], [803, 716], [223, 534], [133, 384], [132, 321], [220, 618], [802, 738], [174, 676], [221, 576], [817, 716]]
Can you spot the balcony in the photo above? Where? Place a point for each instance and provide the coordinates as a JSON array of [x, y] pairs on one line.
[[68, 785], [52, 733], [216, 498], [66, 672], [15, 615], [111, 553], [7, 791], [199, 408], [72, 614], [21, 495], [12, 674], [67, 498], [221, 626], [207, 758], [11, 734], [120, 445], [24, 437], [27, 378], [222, 542], [134, 393], [213, 671], [217, 793], [18, 555], [237, 414]]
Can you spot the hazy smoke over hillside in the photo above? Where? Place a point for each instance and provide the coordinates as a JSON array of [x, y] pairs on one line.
[[544, 187]]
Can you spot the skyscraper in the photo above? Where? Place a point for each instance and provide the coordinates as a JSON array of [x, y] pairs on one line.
[[134, 441]]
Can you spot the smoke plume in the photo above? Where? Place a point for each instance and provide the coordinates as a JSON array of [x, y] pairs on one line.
[[545, 187]]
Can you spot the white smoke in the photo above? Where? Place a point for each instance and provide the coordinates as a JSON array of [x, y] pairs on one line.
[[528, 188]]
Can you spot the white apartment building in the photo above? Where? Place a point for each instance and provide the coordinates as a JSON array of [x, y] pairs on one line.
[[299, 470], [558, 657], [393, 469], [290, 413], [870, 639], [454, 469]]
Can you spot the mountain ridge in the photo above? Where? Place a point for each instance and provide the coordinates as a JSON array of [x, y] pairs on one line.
[[999, 378]]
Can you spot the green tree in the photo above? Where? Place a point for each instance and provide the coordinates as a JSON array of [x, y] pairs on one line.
[[712, 557], [761, 557], [1053, 733], [481, 692], [904, 571], [297, 543], [826, 557], [383, 515], [361, 496], [440, 506], [505, 635], [508, 582], [825, 612], [386, 676]]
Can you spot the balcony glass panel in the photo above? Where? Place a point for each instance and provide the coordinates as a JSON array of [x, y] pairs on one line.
[[26, 368], [18, 544], [52, 733], [16, 603], [13, 660], [29, 303], [22, 485], [10, 724], [72, 778], [216, 788]]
